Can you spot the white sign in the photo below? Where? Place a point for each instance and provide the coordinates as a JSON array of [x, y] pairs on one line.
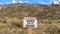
[[30, 22]]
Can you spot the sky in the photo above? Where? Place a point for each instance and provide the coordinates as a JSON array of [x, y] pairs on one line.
[[26, 1]]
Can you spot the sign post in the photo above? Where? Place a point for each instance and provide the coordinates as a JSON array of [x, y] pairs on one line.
[[29, 30], [30, 22]]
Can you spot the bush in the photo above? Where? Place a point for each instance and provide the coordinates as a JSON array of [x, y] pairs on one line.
[[52, 29]]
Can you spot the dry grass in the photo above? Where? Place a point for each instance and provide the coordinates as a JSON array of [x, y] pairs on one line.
[[15, 26], [11, 18]]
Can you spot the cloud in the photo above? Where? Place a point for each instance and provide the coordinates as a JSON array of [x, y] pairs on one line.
[[55, 1], [24, 2], [42, 2], [21, 2]]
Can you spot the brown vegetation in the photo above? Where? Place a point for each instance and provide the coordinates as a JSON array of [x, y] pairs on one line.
[[11, 18]]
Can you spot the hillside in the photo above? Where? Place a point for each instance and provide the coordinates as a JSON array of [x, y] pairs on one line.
[[22, 10], [11, 18]]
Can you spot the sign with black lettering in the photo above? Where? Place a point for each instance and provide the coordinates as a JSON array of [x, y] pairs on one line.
[[29, 22]]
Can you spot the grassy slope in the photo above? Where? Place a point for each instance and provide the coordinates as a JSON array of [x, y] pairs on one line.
[[11, 18]]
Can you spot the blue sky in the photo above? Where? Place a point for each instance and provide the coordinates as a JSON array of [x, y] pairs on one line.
[[28, 1]]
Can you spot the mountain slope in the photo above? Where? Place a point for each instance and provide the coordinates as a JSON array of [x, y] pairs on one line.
[[11, 18], [22, 10]]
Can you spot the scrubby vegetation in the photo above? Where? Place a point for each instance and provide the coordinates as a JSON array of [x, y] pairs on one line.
[[11, 18]]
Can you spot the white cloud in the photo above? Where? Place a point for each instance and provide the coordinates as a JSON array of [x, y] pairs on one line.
[[21, 2], [55, 1], [24, 2], [43, 2]]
